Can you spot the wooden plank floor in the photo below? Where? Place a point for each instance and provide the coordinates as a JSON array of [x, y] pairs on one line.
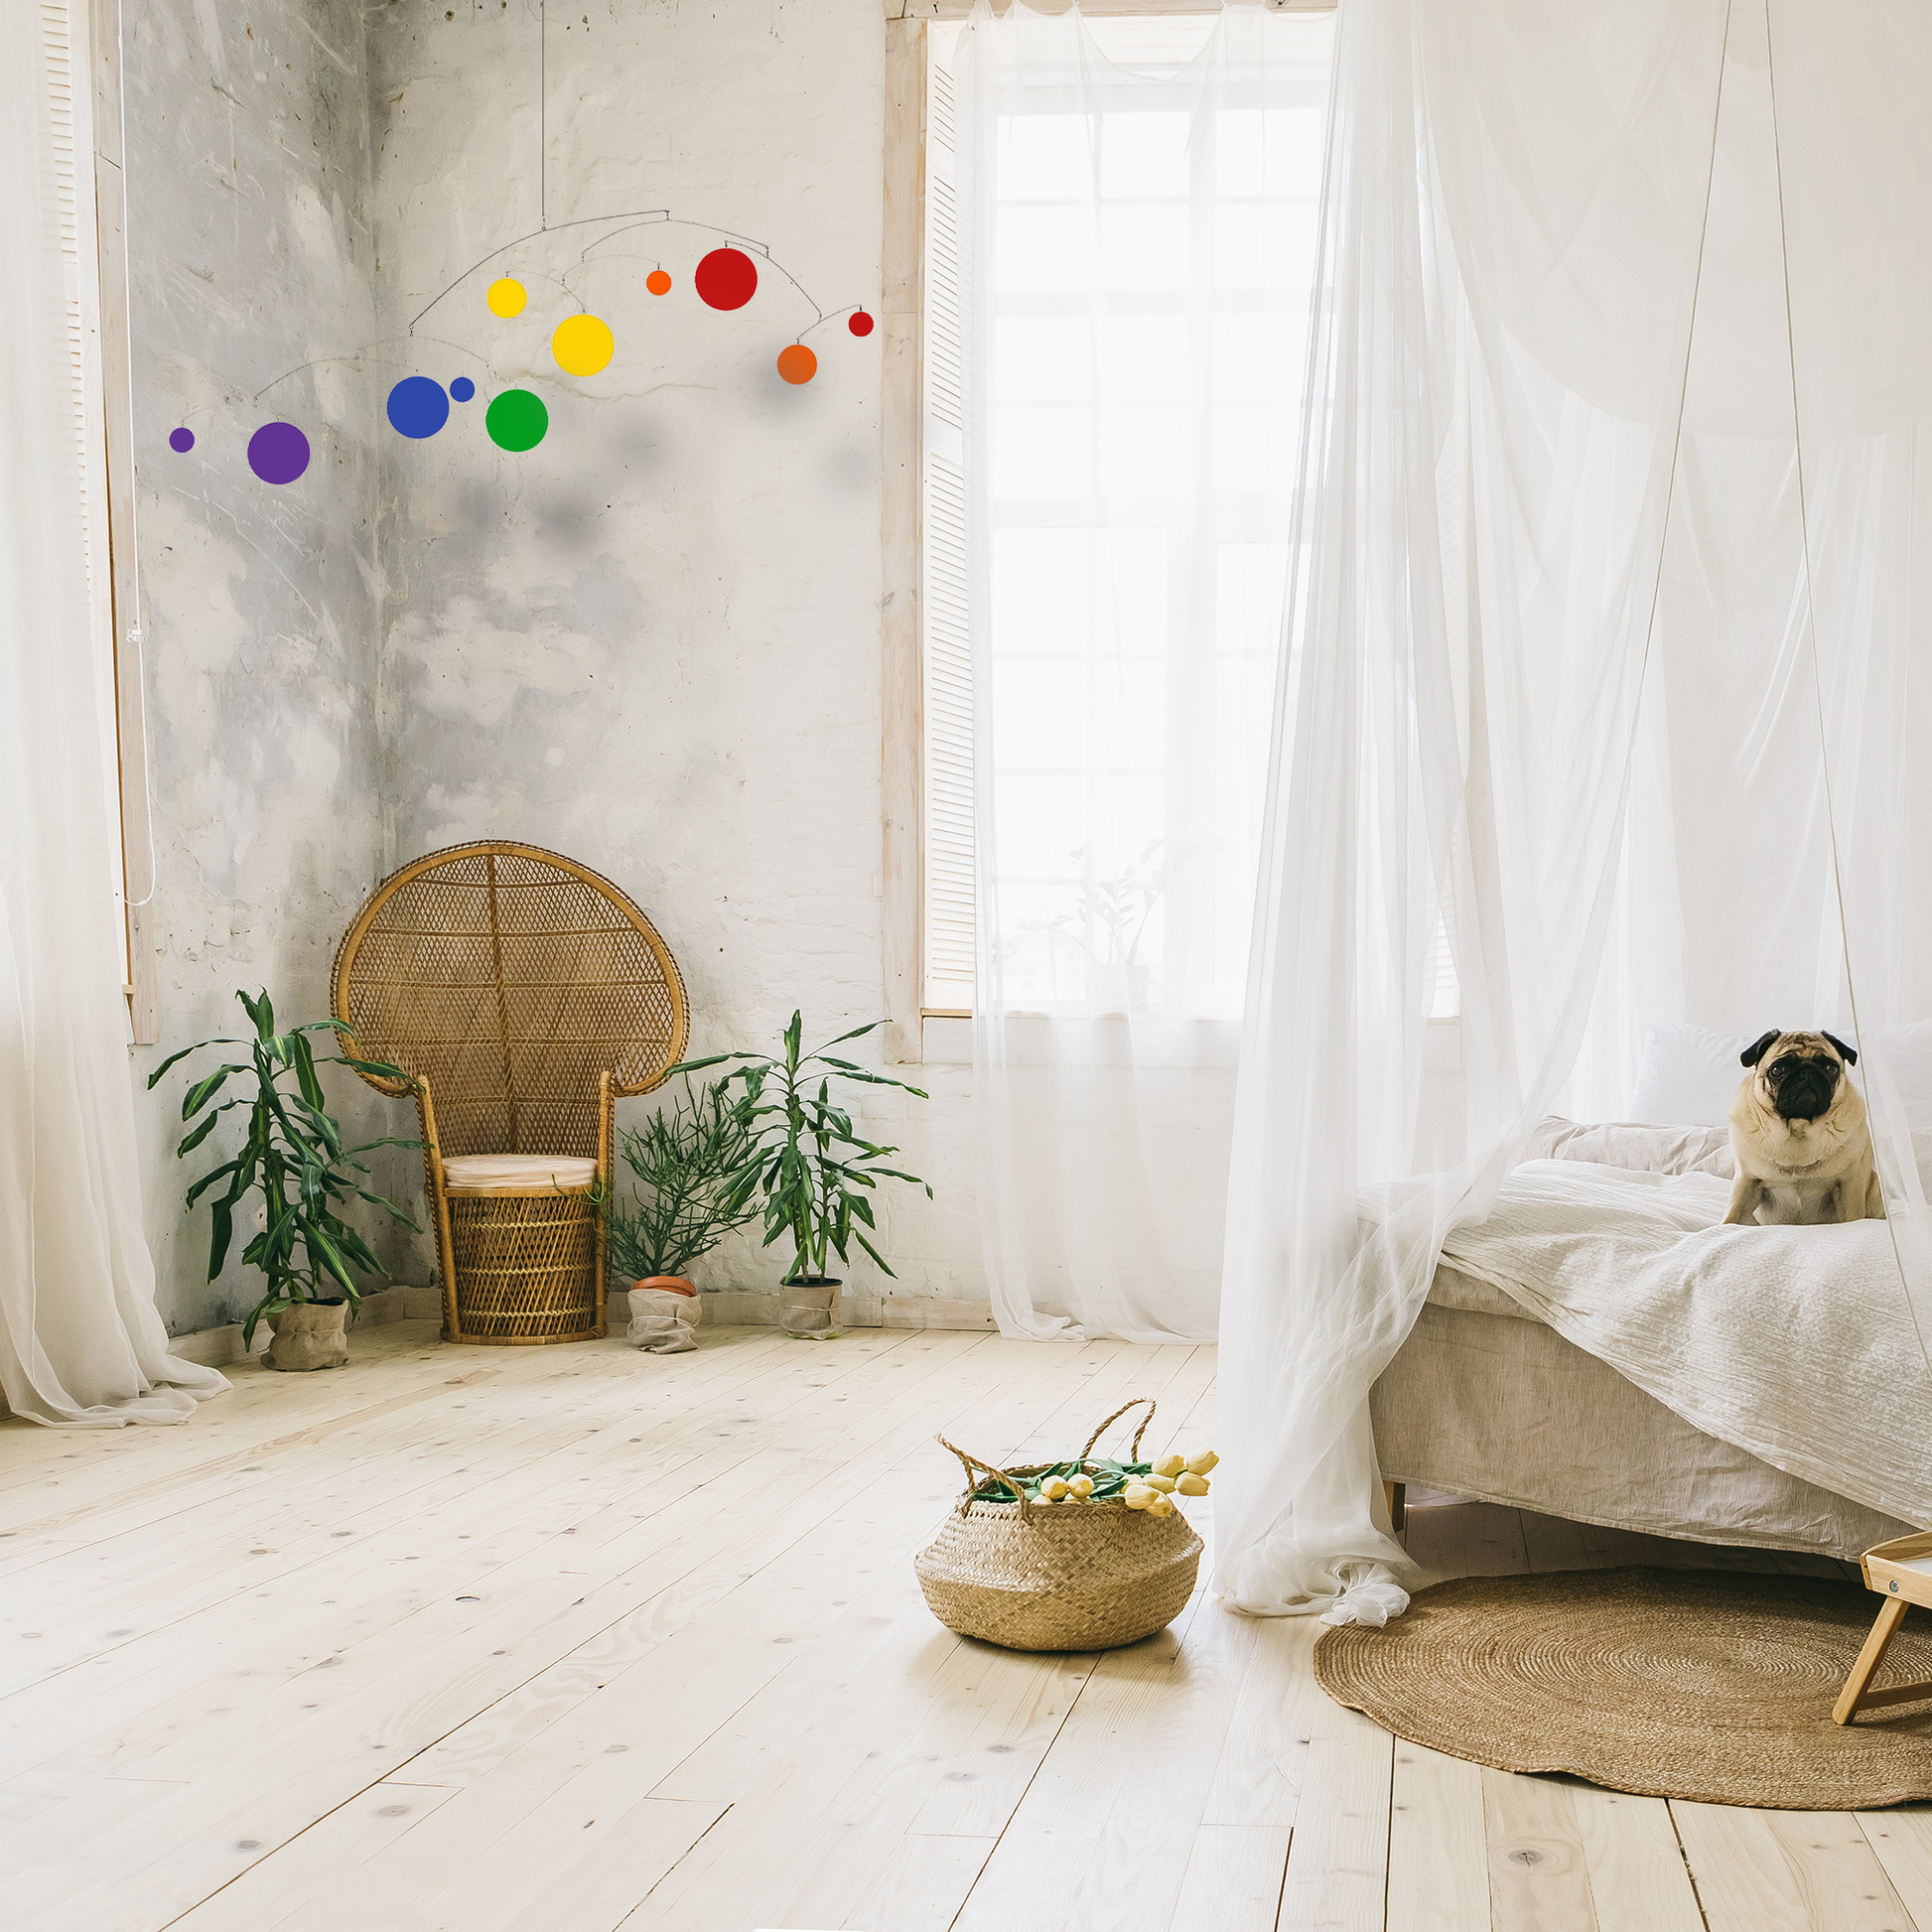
[[581, 1639]]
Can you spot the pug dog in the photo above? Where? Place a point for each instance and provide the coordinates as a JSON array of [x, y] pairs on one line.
[[1799, 1136]]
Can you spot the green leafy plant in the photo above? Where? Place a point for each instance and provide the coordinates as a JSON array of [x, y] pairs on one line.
[[685, 1159], [814, 1171], [293, 1158]]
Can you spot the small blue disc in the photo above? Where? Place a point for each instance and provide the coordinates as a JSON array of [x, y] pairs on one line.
[[462, 389]]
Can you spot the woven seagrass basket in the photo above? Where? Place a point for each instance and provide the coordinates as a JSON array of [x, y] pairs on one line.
[[1056, 1576]]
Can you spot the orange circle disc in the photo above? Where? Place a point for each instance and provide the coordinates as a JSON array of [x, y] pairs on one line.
[[797, 363], [658, 282]]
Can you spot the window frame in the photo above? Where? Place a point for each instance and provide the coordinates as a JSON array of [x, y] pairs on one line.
[[902, 429]]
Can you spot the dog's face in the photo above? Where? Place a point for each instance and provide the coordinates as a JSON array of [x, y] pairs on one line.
[[1799, 1076]]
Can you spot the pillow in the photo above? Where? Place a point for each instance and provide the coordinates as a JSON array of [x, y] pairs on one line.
[[1645, 1150], [1689, 1077]]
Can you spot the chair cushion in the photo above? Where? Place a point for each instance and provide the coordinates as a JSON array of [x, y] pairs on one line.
[[517, 1173]]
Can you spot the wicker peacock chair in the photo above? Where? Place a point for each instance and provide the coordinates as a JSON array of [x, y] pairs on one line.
[[522, 993]]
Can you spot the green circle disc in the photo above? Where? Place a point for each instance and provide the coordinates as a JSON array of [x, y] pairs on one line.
[[516, 420]]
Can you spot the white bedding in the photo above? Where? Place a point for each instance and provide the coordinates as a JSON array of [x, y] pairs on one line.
[[1795, 1344]]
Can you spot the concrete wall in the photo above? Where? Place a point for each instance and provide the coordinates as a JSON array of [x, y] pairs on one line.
[[652, 641], [247, 182]]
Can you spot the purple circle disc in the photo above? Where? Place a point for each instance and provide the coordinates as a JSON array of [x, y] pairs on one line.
[[181, 441], [278, 453]]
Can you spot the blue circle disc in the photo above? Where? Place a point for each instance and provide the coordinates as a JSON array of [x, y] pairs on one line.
[[462, 389], [417, 407]]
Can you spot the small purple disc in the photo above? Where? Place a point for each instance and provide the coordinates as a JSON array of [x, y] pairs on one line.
[[181, 441], [278, 453]]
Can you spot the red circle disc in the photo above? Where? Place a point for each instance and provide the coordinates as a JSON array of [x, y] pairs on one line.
[[726, 279], [860, 323]]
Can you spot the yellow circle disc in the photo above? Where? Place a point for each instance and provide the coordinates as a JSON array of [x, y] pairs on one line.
[[505, 298], [582, 345]]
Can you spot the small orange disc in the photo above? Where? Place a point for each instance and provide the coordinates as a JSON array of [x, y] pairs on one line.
[[797, 363], [658, 282]]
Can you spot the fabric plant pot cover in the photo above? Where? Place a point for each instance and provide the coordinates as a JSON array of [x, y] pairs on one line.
[[809, 1310], [309, 1335], [664, 1313]]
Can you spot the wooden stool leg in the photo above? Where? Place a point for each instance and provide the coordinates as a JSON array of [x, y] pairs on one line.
[[1397, 1494], [1892, 1613]]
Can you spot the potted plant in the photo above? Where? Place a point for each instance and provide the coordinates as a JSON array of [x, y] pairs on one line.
[[1111, 922], [685, 1159], [294, 1158], [814, 1171]]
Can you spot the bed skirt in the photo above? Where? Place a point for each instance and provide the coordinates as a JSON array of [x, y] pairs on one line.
[[1502, 1408]]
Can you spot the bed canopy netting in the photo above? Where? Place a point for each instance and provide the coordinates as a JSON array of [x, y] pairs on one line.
[[1607, 599]]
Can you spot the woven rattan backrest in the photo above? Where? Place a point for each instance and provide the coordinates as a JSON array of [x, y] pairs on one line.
[[509, 978]]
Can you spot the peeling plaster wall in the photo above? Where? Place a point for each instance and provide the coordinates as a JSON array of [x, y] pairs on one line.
[[248, 180], [653, 641]]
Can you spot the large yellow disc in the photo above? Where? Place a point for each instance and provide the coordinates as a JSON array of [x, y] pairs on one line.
[[583, 344]]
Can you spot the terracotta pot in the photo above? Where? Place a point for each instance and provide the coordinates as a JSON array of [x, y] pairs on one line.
[[675, 1283], [808, 1310], [309, 1335]]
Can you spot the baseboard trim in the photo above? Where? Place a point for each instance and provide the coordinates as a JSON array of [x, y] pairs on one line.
[[423, 1300], [753, 1310], [218, 1347]]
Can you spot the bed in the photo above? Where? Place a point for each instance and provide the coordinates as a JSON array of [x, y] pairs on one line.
[[1487, 1400]]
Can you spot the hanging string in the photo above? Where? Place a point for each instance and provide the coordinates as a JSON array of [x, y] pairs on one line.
[[1677, 431], [1683, 395], [1811, 629]]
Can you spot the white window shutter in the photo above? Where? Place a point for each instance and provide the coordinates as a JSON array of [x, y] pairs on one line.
[[63, 50], [66, 139], [945, 641], [67, 135], [1444, 991]]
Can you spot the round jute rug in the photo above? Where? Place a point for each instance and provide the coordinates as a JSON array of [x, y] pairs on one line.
[[1713, 1685]]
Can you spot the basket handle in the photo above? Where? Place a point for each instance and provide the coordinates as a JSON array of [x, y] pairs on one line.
[[1133, 1454], [973, 1464]]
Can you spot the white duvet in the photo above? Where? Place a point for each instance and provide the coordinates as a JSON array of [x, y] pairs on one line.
[[1796, 1344]]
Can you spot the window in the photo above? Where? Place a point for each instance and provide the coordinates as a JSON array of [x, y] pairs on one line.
[[1145, 344], [84, 122]]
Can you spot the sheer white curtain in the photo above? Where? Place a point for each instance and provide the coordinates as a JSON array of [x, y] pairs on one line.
[[80, 1344], [1515, 202], [1729, 915], [1603, 644], [1138, 207], [1777, 854], [1854, 148]]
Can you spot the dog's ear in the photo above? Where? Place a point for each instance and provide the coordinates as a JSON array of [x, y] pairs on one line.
[[1850, 1053], [1756, 1051]]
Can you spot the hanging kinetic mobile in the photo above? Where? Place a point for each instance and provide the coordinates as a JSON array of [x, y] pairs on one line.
[[582, 345]]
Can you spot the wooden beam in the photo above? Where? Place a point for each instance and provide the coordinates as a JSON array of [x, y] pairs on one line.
[[116, 351], [902, 711]]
